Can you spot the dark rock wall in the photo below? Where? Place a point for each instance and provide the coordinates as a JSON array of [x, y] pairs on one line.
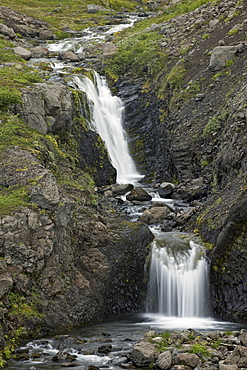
[[148, 138]]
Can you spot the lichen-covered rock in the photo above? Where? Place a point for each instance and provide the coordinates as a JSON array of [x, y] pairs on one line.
[[47, 107], [144, 353]]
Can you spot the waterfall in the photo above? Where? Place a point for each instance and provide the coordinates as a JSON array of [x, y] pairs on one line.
[[106, 115], [178, 282]]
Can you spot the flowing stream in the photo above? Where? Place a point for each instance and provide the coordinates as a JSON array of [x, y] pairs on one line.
[[178, 288]]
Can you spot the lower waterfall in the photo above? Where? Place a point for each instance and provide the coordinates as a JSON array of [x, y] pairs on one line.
[[178, 283]]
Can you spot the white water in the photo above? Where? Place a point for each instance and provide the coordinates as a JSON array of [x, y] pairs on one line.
[[106, 113], [90, 34], [178, 285]]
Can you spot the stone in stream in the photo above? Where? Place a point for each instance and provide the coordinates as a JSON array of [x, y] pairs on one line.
[[138, 194]]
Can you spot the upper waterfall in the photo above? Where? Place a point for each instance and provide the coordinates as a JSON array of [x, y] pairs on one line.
[[106, 115]]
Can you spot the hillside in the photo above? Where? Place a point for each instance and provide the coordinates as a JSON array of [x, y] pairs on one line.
[[181, 72]]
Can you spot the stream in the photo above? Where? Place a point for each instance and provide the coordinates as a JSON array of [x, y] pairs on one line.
[[178, 291]]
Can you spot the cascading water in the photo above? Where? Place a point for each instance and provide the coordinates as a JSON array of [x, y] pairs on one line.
[[178, 281], [106, 112]]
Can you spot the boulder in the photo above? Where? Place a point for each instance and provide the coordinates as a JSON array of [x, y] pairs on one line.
[[166, 189], [222, 54], [164, 361], [45, 194], [108, 49], [7, 31], [144, 353], [93, 8], [138, 194], [40, 52], [23, 53], [69, 55], [121, 189], [6, 284], [243, 337], [188, 359], [154, 215]]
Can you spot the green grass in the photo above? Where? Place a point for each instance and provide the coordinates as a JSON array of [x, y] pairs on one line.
[[12, 198]]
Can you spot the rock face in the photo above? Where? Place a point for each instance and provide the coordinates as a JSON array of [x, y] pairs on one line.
[[47, 107], [81, 261]]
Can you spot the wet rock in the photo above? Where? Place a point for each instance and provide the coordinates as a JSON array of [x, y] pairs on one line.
[[63, 356], [166, 189], [121, 189], [138, 194], [154, 215], [69, 55], [23, 53], [40, 52], [105, 349]]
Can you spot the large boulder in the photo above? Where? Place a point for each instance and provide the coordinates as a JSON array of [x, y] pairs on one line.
[[23, 52], [144, 353], [222, 54], [164, 360], [154, 215], [7, 31], [138, 194]]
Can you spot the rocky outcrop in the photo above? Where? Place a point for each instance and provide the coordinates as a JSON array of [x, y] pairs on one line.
[[24, 25]]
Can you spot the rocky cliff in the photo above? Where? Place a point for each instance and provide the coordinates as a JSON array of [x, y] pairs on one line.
[[187, 122]]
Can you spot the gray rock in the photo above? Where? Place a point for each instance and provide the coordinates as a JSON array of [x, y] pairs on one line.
[[108, 49], [154, 215], [227, 367], [23, 53], [164, 361], [237, 357], [189, 359], [121, 189], [47, 107], [6, 284], [243, 337], [45, 194], [138, 194], [93, 8], [144, 353], [7, 31], [222, 54], [40, 52], [69, 55]]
